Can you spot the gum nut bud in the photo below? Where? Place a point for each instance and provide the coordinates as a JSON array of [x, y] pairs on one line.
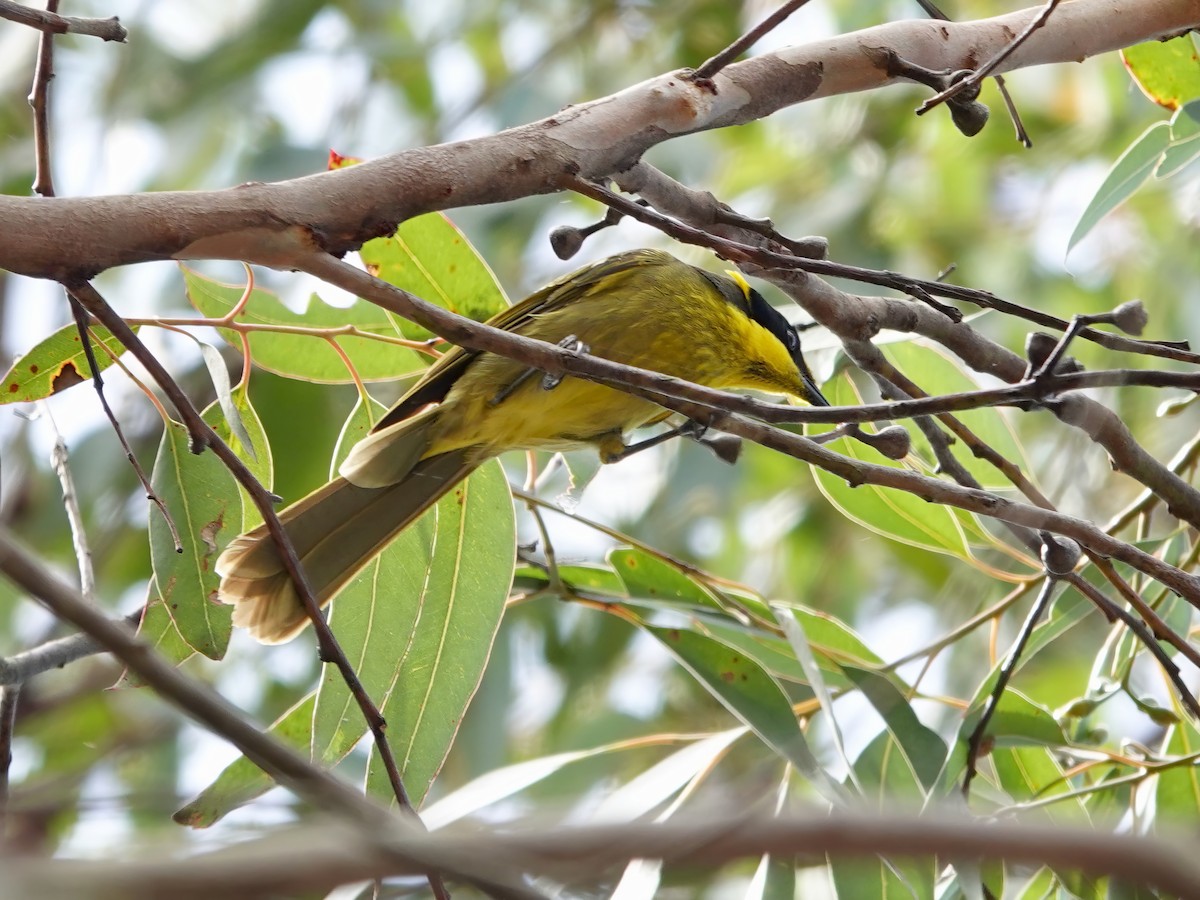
[[1131, 317], [1038, 346], [1059, 554], [1078, 709], [566, 241], [1160, 715], [893, 442], [969, 118]]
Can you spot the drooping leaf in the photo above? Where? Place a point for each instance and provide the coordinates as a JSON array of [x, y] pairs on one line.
[[923, 750], [202, 499], [753, 696], [256, 455], [1184, 148], [1128, 173], [418, 623], [645, 575], [898, 515], [1177, 793], [461, 601], [158, 629]]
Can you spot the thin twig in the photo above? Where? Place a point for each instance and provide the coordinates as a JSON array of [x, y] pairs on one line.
[[975, 741], [202, 436], [990, 66], [715, 64], [10, 696], [85, 338], [51, 23], [1155, 628], [557, 360], [55, 654], [60, 462], [1022, 135], [39, 101]]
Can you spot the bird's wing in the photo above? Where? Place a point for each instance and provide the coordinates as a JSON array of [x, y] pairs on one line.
[[441, 376]]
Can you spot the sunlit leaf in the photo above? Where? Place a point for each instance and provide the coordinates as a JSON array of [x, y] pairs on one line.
[[645, 575], [157, 628], [774, 879], [895, 514], [57, 363], [1184, 148], [305, 351], [937, 373], [661, 781], [256, 456], [1168, 72], [428, 256], [1177, 792], [417, 624], [923, 749]]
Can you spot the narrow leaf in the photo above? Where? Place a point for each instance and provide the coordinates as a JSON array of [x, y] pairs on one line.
[[242, 781], [1128, 173], [753, 696]]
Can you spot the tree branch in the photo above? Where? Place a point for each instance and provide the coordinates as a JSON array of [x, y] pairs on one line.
[[321, 856], [109, 29], [337, 211]]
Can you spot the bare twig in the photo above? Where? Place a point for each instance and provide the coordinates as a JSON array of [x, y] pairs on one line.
[[10, 696], [768, 259], [60, 462], [55, 654], [39, 101], [974, 79], [557, 360], [85, 339], [975, 741], [50, 22], [376, 829], [715, 64]]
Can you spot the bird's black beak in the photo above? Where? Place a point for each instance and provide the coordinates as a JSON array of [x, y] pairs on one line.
[[812, 393]]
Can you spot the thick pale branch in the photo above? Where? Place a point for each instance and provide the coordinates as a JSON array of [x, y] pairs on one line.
[[337, 211], [319, 857]]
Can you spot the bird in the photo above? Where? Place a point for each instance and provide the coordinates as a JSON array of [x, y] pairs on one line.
[[644, 308]]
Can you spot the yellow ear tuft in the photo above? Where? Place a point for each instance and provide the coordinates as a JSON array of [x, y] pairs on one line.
[[740, 281]]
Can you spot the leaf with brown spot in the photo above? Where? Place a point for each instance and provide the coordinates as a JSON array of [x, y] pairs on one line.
[[202, 498], [55, 364]]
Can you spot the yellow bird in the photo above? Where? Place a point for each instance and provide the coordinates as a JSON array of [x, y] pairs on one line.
[[643, 308]]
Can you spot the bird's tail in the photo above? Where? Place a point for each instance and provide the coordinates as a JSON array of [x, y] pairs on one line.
[[336, 530]]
